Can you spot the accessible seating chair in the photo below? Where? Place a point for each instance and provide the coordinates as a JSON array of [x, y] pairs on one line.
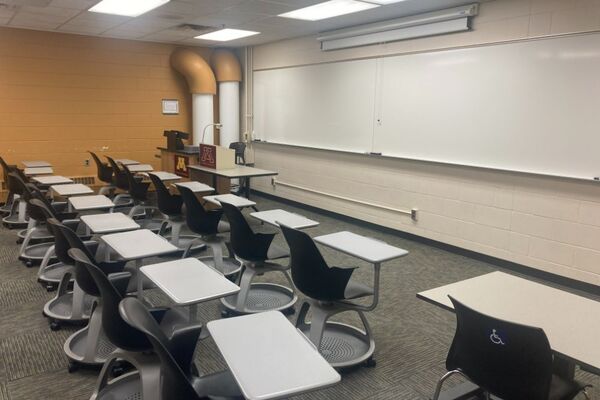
[[257, 254], [328, 291], [71, 306], [505, 359], [171, 206], [104, 174], [208, 224]]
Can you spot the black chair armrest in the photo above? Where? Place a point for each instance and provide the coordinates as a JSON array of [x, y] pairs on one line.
[[111, 267], [158, 313], [71, 223], [92, 246], [120, 281], [183, 341], [66, 215]]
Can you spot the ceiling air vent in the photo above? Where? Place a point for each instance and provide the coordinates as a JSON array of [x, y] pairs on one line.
[[194, 29]]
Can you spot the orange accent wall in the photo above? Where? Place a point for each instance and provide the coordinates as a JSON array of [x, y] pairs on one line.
[[61, 95]]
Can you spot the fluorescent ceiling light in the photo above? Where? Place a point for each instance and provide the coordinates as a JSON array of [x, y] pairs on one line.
[[328, 9], [128, 8], [383, 2], [224, 35]]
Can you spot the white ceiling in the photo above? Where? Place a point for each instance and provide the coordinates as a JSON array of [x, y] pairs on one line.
[[160, 25]]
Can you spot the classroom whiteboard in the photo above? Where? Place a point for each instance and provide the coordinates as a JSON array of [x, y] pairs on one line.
[[328, 106], [530, 106]]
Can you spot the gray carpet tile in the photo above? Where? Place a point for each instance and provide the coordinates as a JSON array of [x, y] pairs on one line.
[[412, 337]]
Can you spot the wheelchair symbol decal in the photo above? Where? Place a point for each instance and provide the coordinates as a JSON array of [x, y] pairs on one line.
[[496, 339]]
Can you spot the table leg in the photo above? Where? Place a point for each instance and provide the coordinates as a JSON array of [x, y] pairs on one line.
[[140, 280]]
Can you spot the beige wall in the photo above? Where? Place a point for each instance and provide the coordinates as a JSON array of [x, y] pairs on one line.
[[61, 95], [546, 223]]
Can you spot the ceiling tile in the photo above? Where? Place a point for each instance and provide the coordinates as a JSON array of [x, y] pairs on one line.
[[76, 4]]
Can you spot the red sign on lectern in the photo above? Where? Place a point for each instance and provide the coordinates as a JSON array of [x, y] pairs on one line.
[[208, 155], [181, 165]]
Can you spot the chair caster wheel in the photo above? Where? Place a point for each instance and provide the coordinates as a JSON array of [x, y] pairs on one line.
[[370, 363], [19, 241], [50, 288], [72, 367], [118, 370], [225, 314], [54, 326], [28, 264]]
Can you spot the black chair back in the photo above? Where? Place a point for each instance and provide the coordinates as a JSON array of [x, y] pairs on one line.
[[34, 208], [198, 219], [120, 333], [105, 171], [6, 169], [240, 152], [509, 360], [19, 184], [168, 203], [175, 368], [246, 244], [119, 179], [310, 272], [138, 189]]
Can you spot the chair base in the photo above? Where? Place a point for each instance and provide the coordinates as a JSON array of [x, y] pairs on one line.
[[35, 253], [53, 273], [76, 348], [12, 222], [343, 345], [38, 235], [229, 267], [128, 386], [262, 297], [184, 242], [60, 309]]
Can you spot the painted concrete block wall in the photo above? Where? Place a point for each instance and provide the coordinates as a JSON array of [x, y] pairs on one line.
[[546, 223]]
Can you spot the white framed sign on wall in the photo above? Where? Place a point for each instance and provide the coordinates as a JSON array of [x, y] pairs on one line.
[[170, 106]]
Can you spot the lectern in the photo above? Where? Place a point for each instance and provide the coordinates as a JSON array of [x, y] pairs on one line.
[[174, 139]]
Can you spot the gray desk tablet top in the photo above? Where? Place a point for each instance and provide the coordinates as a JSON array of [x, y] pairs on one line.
[[36, 164], [166, 176], [365, 248], [71, 189], [196, 187], [139, 167], [238, 172], [269, 358], [189, 281], [96, 202], [138, 244], [52, 180], [287, 218], [38, 171], [237, 201], [571, 322], [109, 223], [125, 161]]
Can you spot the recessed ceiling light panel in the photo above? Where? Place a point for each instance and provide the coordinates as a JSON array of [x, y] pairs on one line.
[[225, 35], [383, 2], [328, 9], [127, 8]]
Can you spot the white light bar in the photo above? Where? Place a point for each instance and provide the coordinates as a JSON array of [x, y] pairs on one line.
[[127, 8], [225, 35], [434, 23], [328, 9]]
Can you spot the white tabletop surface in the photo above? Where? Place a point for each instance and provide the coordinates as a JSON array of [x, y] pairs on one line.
[[365, 248], [109, 223], [166, 176], [140, 168], [38, 171], [238, 172], [237, 201], [96, 202], [51, 179], [269, 358], [36, 164], [71, 189], [138, 244], [285, 217], [126, 161], [189, 281], [196, 187], [571, 322]]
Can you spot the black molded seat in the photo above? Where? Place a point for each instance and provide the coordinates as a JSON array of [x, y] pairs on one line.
[[506, 359], [119, 179], [18, 213], [6, 169], [328, 290], [208, 225], [180, 378], [257, 253], [104, 174]]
